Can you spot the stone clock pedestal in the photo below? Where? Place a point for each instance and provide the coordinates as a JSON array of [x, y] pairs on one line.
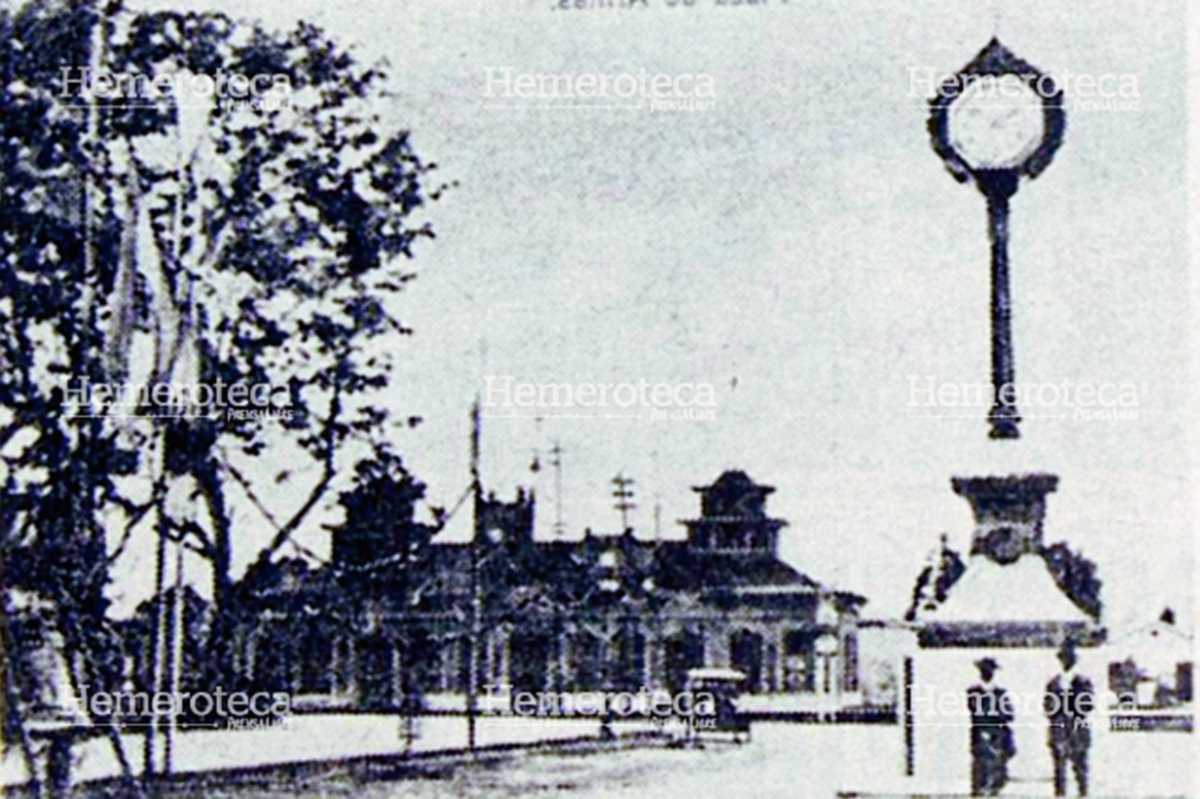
[[1005, 605]]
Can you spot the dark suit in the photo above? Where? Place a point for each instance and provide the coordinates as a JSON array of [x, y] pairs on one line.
[[991, 738], [1070, 734]]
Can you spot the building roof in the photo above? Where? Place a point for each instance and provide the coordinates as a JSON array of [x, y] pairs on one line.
[[715, 564], [734, 481], [1157, 646], [1022, 591]]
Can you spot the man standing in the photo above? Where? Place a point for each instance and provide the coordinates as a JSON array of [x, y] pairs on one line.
[[1068, 700], [991, 737]]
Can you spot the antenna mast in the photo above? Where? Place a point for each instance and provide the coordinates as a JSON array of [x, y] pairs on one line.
[[557, 452]]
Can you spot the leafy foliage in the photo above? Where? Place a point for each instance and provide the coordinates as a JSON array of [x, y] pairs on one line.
[[935, 580], [1076, 576], [155, 239], [379, 509]]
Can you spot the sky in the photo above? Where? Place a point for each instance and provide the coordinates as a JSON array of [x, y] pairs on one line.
[[796, 245]]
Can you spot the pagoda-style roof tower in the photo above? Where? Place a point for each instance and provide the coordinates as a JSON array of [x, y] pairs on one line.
[[733, 517]]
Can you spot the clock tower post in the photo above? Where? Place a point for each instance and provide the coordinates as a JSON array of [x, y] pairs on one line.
[[996, 120]]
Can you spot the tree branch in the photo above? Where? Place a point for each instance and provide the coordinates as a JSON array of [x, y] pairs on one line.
[[189, 527], [318, 491], [246, 487], [139, 513], [285, 532]]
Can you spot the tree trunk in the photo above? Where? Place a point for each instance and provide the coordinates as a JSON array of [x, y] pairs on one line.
[[220, 644]]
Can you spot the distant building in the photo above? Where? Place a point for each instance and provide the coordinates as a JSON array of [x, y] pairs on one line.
[[1151, 668], [608, 611]]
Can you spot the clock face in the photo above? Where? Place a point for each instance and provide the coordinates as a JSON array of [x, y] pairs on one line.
[[1003, 545], [996, 123]]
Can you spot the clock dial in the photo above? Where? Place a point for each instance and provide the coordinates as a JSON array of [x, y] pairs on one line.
[[1003, 545], [996, 123]]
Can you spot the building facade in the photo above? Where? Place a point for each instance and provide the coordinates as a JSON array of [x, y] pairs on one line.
[[401, 616]]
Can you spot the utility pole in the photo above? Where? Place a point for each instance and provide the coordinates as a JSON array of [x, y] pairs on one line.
[[175, 658], [476, 587], [624, 496], [657, 478], [158, 653], [559, 529]]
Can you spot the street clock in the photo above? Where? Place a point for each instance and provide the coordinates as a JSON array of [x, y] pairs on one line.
[[997, 120]]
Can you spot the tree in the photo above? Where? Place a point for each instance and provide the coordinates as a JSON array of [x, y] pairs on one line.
[[381, 559], [935, 580], [378, 524], [59, 472], [1076, 576], [275, 231]]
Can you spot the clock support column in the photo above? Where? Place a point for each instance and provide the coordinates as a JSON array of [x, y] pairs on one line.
[[998, 185], [994, 144], [1008, 513]]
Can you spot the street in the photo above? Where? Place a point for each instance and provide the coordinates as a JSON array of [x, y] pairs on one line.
[[783, 761]]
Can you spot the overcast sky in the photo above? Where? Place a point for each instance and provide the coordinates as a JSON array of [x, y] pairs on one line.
[[801, 248]]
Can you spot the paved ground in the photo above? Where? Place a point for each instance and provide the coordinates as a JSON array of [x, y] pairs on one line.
[[313, 737], [782, 760]]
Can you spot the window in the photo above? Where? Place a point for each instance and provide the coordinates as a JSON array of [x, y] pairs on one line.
[[850, 666], [799, 662]]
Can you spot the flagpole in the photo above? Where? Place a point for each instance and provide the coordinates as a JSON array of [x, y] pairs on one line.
[[476, 588]]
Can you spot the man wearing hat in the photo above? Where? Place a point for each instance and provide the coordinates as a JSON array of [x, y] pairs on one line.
[[1069, 698], [991, 737]]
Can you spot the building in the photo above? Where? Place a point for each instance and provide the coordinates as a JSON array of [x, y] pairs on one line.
[[1151, 668], [393, 615]]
